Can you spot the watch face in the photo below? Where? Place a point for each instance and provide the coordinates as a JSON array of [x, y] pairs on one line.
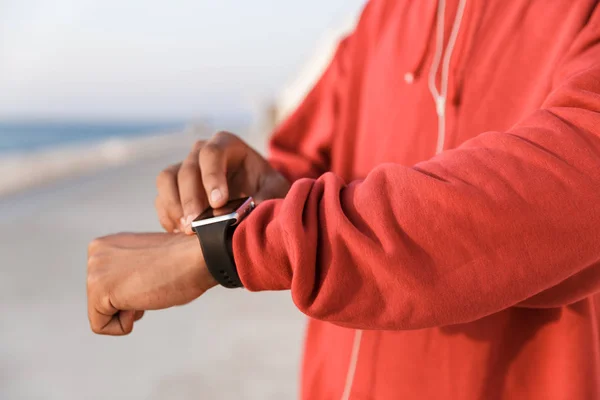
[[228, 208]]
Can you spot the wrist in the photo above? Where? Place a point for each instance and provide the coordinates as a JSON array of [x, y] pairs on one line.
[[193, 258]]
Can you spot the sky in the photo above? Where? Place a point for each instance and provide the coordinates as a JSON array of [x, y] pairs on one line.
[[153, 59]]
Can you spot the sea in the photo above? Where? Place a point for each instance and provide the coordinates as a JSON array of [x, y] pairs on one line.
[[34, 153], [26, 136]]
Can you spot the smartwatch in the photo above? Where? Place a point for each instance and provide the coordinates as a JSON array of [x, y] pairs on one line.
[[214, 228]]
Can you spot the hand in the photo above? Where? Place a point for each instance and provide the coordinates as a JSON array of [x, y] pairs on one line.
[[214, 172], [132, 272]]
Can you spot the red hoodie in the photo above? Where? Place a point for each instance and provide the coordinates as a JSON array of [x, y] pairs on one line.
[[470, 274]]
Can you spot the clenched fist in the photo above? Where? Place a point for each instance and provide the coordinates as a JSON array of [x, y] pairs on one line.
[[132, 272], [220, 169]]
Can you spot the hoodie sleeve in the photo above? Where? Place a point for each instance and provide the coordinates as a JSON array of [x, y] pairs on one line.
[[507, 219], [300, 146]]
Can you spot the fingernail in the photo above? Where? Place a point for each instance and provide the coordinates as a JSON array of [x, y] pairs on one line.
[[176, 231], [215, 195], [188, 220]]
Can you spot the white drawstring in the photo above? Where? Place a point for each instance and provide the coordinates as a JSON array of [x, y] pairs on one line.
[[440, 96], [439, 43], [440, 103], [352, 365]]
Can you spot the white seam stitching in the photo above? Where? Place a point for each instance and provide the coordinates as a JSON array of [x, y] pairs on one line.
[[352, 364]]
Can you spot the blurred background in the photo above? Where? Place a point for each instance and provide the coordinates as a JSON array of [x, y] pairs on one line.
[[96, 97]]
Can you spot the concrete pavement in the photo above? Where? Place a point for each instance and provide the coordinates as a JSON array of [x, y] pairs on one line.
[[230, 344]]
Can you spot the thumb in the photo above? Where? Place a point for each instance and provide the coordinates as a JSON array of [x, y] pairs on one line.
[[215, 184], [223, 150], [126, 319], [119, 324]]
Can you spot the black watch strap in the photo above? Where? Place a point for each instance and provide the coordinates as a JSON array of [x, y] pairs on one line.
[[215, 240]]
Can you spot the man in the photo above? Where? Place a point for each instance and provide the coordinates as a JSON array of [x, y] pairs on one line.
[[469, 274]]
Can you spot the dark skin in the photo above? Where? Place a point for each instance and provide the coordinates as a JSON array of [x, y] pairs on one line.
[[132, 272], [217, 170], [129, 273]]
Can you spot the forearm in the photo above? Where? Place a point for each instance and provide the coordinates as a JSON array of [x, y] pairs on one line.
[[471, 232]]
